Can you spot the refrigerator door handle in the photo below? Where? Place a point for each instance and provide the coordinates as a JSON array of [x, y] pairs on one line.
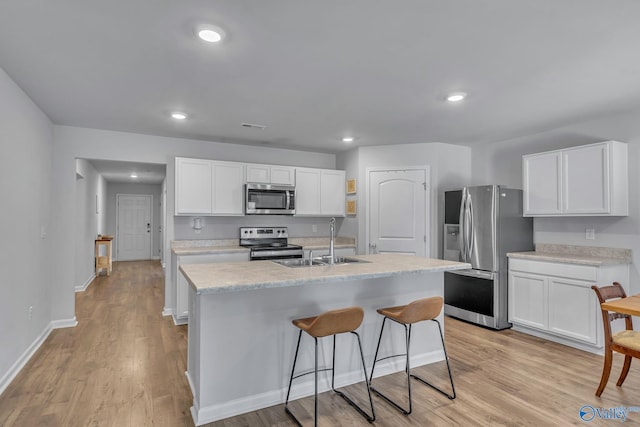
[[470, 224], [462, 232]]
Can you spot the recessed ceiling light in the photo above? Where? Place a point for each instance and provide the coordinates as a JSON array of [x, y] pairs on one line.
[[456, 96], [178, 115], [210, 33], [348, 139], [133, 175]]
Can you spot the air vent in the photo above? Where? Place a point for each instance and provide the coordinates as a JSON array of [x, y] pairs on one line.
[[253, 126]]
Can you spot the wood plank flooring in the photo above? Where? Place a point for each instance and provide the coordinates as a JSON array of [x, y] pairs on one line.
[[124, 364]]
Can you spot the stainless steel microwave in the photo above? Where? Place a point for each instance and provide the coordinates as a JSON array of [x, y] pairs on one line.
[[267, 199]]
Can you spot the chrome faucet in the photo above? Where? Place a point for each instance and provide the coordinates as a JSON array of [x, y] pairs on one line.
[[332, 228]]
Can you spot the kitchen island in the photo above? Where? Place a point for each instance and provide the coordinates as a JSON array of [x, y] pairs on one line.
[[241, 341]]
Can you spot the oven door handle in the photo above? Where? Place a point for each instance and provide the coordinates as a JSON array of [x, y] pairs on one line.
[[481, 274]]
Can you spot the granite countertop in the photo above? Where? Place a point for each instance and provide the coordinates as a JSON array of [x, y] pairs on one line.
[[581, 255], [219, 246], [244, 276]]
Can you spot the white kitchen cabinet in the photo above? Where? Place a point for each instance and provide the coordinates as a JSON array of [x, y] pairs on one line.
[[554, 300], [182, 286], [528, 299], [207, 187], [590, 180], [320, 192], [542, 174], [228, 188], [194, 193], [270, 174]]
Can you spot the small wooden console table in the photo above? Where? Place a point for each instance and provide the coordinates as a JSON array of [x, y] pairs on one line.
[[103, 261]]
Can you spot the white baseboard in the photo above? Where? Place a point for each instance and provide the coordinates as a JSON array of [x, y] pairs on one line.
[[208, 414], [155, 257], [560, 340], [167, 311], [180, 321], [30, 351], [85, 285]]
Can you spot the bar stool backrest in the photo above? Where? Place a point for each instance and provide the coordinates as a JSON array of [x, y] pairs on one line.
[[336, 322]]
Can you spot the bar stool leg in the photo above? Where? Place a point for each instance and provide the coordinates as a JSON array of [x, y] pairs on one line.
[[446, 358], [407, 332], [293, 369], [371, 418]]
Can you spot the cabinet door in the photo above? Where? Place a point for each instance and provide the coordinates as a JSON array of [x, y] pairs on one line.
[[307, 191], [528, 299], [541, 182], [258, 173], [193, 186], [182, 302], [332, 193], [228, 188], [572, 309], [283, 175], [585, 173]]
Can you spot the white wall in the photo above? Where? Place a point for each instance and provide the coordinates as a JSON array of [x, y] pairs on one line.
[[115, 188], [26, 142], [450, 168], [71, 143], [501, 162], [90, 220]]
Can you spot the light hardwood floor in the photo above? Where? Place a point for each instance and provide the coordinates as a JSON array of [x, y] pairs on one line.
[[124, 364]]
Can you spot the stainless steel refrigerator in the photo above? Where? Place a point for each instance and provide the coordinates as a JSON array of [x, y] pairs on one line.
[[482, 224]]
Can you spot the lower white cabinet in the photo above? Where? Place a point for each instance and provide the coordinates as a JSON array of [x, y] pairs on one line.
[[554, 300], [182, 286]]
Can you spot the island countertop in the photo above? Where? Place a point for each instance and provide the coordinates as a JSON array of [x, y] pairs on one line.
[[244, 276]]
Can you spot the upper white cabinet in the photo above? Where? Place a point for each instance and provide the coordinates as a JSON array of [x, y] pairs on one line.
[[542, 184], [206, 187], [228, 188], [320, 192], [194, 186], [590, 180], [269, 174]]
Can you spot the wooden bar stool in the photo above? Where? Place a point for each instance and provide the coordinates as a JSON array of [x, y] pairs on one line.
[[407, 315], [330, 323]]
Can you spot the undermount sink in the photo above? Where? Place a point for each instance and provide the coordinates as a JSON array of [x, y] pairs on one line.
[[320, 261], [298, 262], [337, 260]]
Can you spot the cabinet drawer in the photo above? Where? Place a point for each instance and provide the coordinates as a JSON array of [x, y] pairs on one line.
[[580, 272]]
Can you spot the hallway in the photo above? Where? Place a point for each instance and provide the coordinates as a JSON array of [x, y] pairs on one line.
[[123, 365]]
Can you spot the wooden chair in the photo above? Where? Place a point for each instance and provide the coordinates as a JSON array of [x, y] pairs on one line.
[[626, 342]]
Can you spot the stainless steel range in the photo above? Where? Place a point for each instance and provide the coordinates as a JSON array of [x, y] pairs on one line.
[[268, 243]]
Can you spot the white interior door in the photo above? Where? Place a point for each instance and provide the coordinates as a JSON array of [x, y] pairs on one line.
[[133, 236], [397, 214]]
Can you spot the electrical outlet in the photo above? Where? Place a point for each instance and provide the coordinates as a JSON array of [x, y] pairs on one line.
[[590, 234], [30, 312], [314, 228]]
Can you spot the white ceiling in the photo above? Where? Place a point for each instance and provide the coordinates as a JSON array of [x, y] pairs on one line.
[[313, 71], [114, 171]]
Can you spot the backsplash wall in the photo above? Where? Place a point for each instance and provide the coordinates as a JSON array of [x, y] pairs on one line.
[[217, 227]]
